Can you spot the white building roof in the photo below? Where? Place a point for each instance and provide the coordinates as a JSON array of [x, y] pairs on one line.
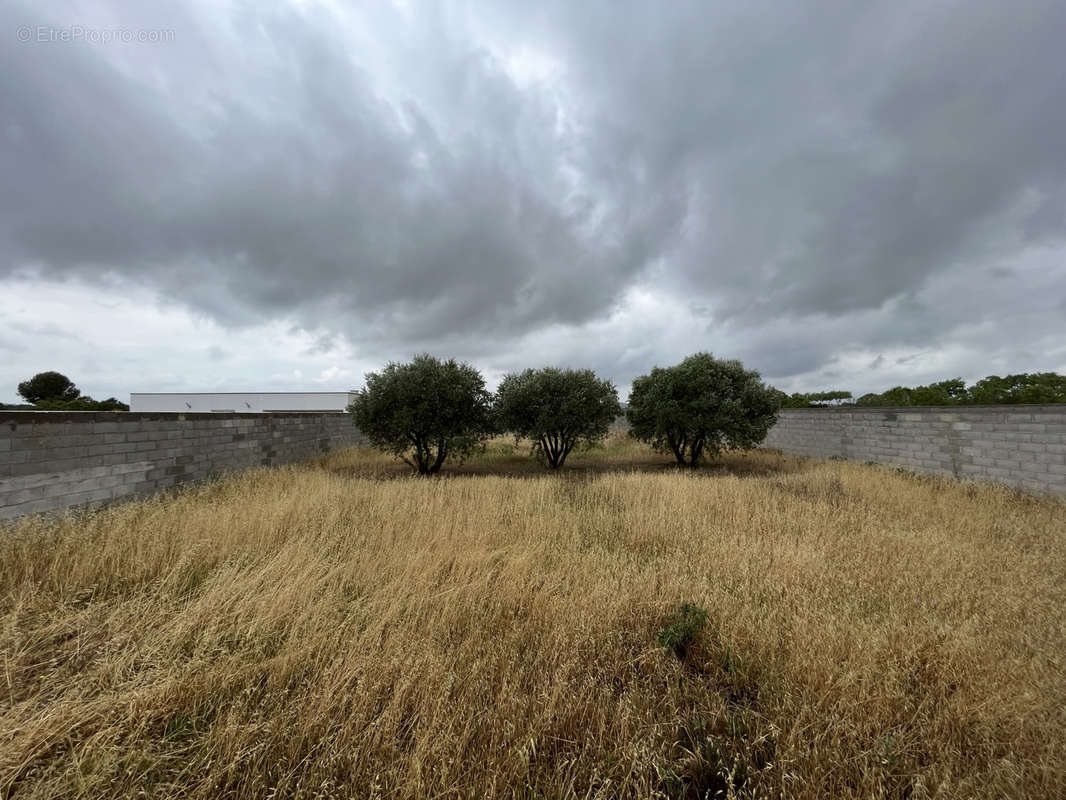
[[240, 402]]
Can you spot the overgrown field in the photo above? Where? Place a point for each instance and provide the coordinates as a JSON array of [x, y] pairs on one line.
[[340, 630]]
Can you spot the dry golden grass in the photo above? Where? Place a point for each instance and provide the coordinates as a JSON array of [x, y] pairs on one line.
[[337, 629]]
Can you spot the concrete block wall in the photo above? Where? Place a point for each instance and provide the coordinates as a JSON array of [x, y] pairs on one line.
[[1019, 445], [52, 460]]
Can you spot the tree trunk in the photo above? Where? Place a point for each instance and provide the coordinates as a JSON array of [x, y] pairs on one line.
[[568, 445], [550, 444], [677, 444], [442, 453], [695, 453], [422, 456]]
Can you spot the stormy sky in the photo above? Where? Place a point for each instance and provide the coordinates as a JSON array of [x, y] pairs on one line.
[[273, 196]]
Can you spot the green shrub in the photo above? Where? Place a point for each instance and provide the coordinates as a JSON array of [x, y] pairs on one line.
[[424, 411], [682, 629], [700, 407], [556, 409]]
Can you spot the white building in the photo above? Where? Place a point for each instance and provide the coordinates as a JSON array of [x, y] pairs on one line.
[[240, 402]]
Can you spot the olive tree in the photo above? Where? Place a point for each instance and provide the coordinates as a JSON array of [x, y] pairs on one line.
[[48, 386], [424, 411], [700, 407], [556, 409]]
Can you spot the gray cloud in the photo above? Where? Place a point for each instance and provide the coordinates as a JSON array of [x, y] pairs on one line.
[[834, 155], [319, 196], [795, 181]]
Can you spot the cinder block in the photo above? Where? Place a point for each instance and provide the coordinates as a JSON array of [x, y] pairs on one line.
[[86, 485], [62, 441], [26, 495], [125, 490], [1031, 427], [129, 469], [52, 465], [31, 507], [92, 496], [53, 428], [33, 444]]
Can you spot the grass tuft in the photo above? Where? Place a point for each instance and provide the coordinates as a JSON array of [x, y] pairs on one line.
[[682, 629]]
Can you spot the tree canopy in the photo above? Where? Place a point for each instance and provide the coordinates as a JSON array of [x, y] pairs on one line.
[[1035, 387], [83, 403], [556, 409], [54, 391], [424, 411], [48, 386], [813, 399], [700, 407]]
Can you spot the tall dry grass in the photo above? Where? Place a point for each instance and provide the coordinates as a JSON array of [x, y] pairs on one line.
[[338, 630]]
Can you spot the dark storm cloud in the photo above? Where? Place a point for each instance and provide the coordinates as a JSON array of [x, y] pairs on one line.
[[833, 155], [397, 178], [318, 195]]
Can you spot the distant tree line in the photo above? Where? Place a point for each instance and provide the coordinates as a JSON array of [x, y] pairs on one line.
[[54, 391], [814, 399], [1025, 387], [428, 410]]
